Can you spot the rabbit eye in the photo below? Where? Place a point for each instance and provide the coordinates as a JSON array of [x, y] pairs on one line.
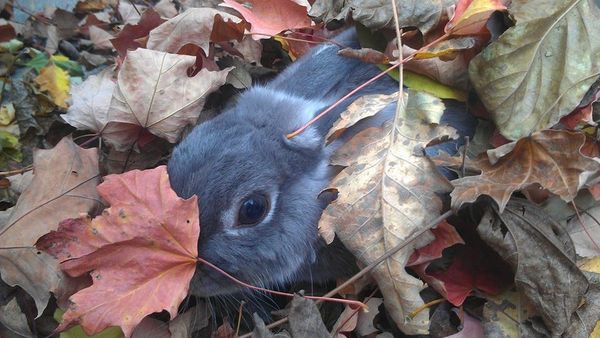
[[253, 209]]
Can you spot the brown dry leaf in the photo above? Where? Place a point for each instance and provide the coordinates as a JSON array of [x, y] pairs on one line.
[[64, 185], [154, 93], [388, 191], [377, 14], [542, 257], [363, 107], [551, 158], [452, 72], [194, 26]]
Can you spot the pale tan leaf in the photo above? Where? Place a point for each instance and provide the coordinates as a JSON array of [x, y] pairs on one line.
[[387, 192], [154, 93], [64, 185]]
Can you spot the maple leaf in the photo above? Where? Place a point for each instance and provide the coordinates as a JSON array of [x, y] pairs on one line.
[[194, 26], [388, 191], [91, 101], [154, 94], [55, 81], [551, 158], [270, 18], [141, 251], [64, 185], [471, 16]]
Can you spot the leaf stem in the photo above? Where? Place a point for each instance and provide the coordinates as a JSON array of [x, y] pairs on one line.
[[352, 303]]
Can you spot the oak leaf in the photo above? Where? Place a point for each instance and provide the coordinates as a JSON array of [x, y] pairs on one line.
[[64, 185], [194, 26], [540, 69], [141, 251], [154, 94], [551, 158], [388, 191], [269, 18]]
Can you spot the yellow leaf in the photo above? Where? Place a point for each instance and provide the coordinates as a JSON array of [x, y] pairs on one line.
[[472, 15], [55, 81]]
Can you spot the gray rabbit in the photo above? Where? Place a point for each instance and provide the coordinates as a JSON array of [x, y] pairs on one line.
[[258, 191]]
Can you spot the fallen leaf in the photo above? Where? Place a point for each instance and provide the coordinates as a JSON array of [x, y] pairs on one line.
[[540, 69], [585, 232], [130, 13], [445, 237], [270, 18], [504, 313], [471, 328], [196, 318], [388, 191], [541, 255], [447, 49], [64, 185], [91, 102], [144, 244], [551, 158], [154, 93], [470, 266], [100, 38], [346, 322], [305, 319], [166, 9], [194, 26], [363, 107], [85, 6], [471, 16], [55, 81], [377, 14], [129, 38]]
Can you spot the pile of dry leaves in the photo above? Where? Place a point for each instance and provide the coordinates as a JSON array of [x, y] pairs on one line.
[[92, 90]]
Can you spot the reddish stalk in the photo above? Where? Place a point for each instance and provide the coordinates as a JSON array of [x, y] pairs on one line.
[[279, 293]]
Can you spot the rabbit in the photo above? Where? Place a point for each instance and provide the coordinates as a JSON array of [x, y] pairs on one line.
[[259, 191]]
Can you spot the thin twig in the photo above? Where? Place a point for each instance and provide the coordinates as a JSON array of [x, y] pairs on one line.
[[239, 320], [16, 171], [135, 7]]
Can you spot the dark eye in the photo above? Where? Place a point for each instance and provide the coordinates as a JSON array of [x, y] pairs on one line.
[[253, 209]]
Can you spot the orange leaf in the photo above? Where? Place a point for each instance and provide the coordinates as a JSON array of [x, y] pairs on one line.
[[471, 16], [141, 251], [271, 17]]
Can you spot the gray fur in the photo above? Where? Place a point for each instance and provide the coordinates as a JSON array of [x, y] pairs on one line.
[[244, 150]]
